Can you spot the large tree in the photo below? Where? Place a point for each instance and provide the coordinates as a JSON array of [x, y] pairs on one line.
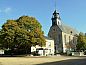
[[81, 41], [21, 33]]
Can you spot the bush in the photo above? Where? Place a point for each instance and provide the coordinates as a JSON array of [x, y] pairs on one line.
[[7, 52], [85, 52]]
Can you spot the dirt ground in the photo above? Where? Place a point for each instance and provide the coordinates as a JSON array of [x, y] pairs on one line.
[[49, 60]]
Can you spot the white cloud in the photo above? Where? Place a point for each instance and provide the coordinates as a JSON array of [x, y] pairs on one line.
[[7, 10]]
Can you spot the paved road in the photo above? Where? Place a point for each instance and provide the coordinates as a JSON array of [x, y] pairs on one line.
[[79, 61]]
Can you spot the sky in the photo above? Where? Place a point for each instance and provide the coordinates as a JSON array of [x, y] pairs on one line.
[[72, 12]]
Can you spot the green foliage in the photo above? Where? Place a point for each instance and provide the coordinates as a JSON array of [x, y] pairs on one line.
[[81, 42], [21, 33]]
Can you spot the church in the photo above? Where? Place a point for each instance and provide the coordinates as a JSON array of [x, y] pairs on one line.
[[64, 36]]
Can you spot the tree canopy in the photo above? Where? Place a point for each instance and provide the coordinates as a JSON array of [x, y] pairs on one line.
[[81, 41], [21, 33]]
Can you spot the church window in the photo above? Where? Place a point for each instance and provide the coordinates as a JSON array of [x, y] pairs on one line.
[[71, 32], [65, 39], [53, 23], [50, 35], [49, 44], [73, 40], [53, 29], [59, 37], [69, 40], [58, 22]]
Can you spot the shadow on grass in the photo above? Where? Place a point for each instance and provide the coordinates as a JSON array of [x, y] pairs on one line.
[[13, 55], [67, 62]]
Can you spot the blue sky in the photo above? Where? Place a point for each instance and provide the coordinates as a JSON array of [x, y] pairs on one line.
[[72, 12]]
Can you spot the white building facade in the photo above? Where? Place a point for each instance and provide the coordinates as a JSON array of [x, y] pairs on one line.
[[46, 50]]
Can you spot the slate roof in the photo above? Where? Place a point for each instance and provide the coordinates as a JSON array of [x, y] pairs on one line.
[[67, 29]]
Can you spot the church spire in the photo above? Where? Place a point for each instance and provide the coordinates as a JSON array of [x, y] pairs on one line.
[[56, 17], [55, 4]]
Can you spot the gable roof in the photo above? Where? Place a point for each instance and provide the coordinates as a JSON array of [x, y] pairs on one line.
[[67, 29]]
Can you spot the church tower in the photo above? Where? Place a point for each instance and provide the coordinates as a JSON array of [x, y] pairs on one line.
[[55, 31], [56, 19]]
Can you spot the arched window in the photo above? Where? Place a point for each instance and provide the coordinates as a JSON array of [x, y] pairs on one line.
[[71, 32], [65, 39], [58, 22], [69, 40]]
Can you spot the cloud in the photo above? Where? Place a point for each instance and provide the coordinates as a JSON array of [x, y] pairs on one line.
[[7, 10]]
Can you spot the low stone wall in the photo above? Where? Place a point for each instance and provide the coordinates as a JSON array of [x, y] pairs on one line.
[[77, 53]]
